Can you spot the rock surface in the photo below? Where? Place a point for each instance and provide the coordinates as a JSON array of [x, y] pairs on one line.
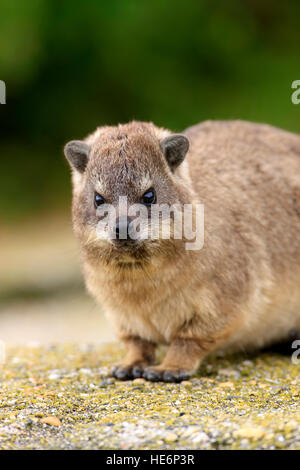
[[61, 397]]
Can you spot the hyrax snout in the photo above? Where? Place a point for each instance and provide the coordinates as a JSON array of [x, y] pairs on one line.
[[228, 279]]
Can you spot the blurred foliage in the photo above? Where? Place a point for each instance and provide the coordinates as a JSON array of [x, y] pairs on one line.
[[72, 66]]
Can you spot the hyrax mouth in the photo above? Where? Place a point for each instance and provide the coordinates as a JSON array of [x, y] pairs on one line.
[[129, 265], [125, 245], [130, 256]]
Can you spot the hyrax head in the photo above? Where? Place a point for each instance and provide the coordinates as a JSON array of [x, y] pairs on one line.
[[121, 178]]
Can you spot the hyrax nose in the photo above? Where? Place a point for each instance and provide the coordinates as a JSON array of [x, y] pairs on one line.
[[122, 228]]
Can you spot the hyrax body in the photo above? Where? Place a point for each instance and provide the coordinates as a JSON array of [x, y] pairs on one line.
[[242, 289]]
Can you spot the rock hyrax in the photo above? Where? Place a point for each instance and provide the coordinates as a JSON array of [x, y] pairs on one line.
[[241, 290]]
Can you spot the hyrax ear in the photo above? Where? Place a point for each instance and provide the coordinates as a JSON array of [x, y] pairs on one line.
[[77, 154], [175, 148]]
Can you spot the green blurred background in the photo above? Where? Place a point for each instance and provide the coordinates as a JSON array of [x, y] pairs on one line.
[[71, 66]]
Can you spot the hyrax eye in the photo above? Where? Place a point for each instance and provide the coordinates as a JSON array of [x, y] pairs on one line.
[[149, 197], [98, 200]]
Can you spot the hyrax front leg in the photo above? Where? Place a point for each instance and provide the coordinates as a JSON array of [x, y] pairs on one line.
[[189, 347], [140, 353], [180, 362]]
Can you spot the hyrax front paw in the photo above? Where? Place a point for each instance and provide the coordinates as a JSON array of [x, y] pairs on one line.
[[157, 374], [128, 372]]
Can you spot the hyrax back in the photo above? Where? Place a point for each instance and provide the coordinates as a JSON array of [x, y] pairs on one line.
[[241, 289]]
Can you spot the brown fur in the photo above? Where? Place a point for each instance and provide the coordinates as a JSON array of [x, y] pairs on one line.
[[241, 290]]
